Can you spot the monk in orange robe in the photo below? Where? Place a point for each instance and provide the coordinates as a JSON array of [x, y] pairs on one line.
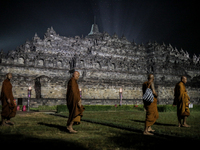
[[151, 108], [181, 99], [7, 99], [74, 103]]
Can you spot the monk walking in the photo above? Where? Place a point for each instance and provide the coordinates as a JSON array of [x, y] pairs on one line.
[[182, 101], [151, 108], [74, 103], [7, 99]]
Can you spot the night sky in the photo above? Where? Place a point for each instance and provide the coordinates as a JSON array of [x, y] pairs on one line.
[[167, 21]]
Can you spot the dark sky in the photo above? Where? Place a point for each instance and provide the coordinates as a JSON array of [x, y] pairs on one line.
[[168, 21]]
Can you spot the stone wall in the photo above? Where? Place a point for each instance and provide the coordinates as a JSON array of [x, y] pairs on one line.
[[166, 94], [106, 63], [51, 102], [102, 95]]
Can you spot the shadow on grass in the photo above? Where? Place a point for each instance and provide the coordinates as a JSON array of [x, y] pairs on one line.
[[18, 140], [136, 140], [118, 126], [124, 127], [156, 123], [106, 124], [61, 128], [140, 141]]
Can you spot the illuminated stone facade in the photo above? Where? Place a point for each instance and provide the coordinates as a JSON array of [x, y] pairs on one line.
[[106, 63]]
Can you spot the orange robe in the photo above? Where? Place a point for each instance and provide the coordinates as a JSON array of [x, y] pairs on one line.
[[73, 97], [181, 99], [151, 108], [8, 109]]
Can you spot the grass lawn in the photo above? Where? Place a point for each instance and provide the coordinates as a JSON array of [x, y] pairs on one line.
[[101, 130]]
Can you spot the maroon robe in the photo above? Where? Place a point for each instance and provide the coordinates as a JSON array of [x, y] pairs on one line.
[[8, 109]]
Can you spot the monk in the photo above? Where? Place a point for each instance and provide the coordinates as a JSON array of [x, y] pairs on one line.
[[7, 99], [181, 99], [74, 103], [151, 108]]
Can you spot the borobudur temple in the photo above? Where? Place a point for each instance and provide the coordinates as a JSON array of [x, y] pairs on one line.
[[106, 63]]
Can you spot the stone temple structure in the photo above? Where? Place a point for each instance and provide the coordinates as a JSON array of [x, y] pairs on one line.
[[106, 63]]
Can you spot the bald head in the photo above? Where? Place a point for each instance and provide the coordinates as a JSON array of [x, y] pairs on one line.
[[184, 79], [9, 76], [76, 75], [150, 77]]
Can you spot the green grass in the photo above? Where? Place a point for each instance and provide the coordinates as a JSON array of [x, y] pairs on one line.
[[166, 124], [101, 130], [161, 108], [63, 108], [45, 108]]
